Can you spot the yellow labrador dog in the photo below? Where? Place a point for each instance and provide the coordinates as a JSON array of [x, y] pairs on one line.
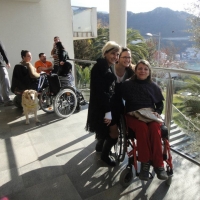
[[30, 104]]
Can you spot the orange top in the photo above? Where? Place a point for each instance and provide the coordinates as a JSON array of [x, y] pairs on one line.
[[47, 65]]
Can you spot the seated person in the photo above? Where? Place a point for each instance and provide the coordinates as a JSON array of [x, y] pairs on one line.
[[43, 65], [65, 67], [24, 77], [140, 92], [65, 74]]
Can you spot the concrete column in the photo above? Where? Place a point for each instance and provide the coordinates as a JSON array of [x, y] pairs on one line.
[[118, 21]]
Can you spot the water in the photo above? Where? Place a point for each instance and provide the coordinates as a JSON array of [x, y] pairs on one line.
[[193, 66]]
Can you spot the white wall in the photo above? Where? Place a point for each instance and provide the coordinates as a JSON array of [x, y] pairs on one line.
[[80, 25], [32, 26]]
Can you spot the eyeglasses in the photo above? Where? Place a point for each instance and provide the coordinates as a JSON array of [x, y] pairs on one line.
[[126, 57]]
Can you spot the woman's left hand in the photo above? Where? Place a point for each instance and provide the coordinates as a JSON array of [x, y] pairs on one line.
[[156, 114], [61, 63], [107, 121]]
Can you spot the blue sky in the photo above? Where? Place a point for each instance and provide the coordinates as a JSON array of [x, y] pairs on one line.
[[136, 6]]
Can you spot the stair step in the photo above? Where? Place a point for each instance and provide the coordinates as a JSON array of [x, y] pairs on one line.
[[179, 141], [193, 155], [182, 147], [173, 126], [175, 131], [176, 136]]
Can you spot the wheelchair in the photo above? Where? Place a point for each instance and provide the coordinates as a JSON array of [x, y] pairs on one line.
[[58, 98], [127, 145]]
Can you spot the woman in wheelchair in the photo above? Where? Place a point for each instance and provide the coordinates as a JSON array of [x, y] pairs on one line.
[[65, 73], [141, 92], [65, 67], [24, 77]]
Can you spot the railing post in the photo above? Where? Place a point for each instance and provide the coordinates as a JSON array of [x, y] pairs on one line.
[[168, 105]]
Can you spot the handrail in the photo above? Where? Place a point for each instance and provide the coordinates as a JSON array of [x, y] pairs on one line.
[[186, 117], [83, 61], [183, 71]]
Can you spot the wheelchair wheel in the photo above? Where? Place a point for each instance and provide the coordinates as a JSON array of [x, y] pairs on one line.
[[46, 101], [126, 177], [65, 103], [121, 146]]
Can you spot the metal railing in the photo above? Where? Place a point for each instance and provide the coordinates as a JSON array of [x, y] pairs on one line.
[[169, 92]]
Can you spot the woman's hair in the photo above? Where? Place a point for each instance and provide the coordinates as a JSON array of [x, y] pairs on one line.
[[109, 46], [23, 53], [123, 49], [60, 46], [145, 62]]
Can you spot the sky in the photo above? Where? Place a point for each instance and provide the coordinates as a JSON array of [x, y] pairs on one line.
[[136, 6]]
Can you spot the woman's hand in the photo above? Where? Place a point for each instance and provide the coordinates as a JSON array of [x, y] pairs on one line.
[[55, 56], [61, 63], [107, 121], [157, 115]]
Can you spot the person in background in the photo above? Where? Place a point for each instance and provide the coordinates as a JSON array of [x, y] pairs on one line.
[[100, 117], [24, 77], [122, 70], [141, 92], [43, 65], [65, 67], [4, 78], [55, 53]]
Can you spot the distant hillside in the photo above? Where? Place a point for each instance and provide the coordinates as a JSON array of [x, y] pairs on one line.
[[160, 20], [164, 20]]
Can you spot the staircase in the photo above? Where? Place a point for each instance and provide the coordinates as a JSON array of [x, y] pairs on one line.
[[181, 142]]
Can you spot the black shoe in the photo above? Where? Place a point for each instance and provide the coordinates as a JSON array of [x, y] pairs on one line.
[[105, 155], [109, 161], [83, 102], [99, 145], [161, 173], [144, 171]]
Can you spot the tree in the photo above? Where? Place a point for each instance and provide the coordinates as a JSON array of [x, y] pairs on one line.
[[137, 45], [91, 48], [195, 22]]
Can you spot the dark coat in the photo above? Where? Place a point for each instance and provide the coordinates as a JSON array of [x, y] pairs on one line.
[[21, 79], [142, 94], [64, 69], [102, 83]]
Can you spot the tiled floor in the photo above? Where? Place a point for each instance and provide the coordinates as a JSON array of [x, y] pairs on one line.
[[55, 160]]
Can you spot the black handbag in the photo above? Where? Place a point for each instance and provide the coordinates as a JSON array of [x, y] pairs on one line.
[[164, 132]]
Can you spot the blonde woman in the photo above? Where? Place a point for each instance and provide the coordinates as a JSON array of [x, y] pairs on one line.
[[102, 85]]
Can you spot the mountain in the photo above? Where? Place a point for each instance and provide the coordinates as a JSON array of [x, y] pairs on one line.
[[169, 23], [160, 20]]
